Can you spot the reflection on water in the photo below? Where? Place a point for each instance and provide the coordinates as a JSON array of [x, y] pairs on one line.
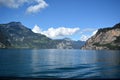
[[60, 63]]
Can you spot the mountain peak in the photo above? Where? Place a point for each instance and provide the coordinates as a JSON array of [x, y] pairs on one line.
[[15, 23]]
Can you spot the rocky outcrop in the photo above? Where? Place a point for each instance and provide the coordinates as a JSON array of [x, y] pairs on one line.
[[106, 38]]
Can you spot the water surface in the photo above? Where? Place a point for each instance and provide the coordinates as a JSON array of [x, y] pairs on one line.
[[54, 63]]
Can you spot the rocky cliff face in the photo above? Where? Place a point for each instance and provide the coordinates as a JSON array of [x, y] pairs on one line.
[[106, 38]]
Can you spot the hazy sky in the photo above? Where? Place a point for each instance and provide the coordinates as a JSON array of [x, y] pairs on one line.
[[76, 19]]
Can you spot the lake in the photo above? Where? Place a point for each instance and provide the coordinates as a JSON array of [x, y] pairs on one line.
[[55, 63]]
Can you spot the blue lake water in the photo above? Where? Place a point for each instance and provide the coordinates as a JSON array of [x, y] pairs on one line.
[[54, 63]]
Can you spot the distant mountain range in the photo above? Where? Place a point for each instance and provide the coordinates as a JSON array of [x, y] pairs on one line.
[[106, 38], [67, 43], [16, 35]]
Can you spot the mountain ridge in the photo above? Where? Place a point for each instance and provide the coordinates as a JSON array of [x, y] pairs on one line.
[[20, 36], [105, 38]]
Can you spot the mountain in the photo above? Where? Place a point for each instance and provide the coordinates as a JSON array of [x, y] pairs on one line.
[[16, 35], [105, 38], [67, 43]]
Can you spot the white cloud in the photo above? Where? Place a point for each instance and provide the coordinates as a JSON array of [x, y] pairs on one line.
[[56, 32], [94, 32], [41, 4], [62, 32], [87, 33], [84, 37], [36, 29], [13, 3]]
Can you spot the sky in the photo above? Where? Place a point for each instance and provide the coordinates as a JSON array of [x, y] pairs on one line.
[[75, 19]]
